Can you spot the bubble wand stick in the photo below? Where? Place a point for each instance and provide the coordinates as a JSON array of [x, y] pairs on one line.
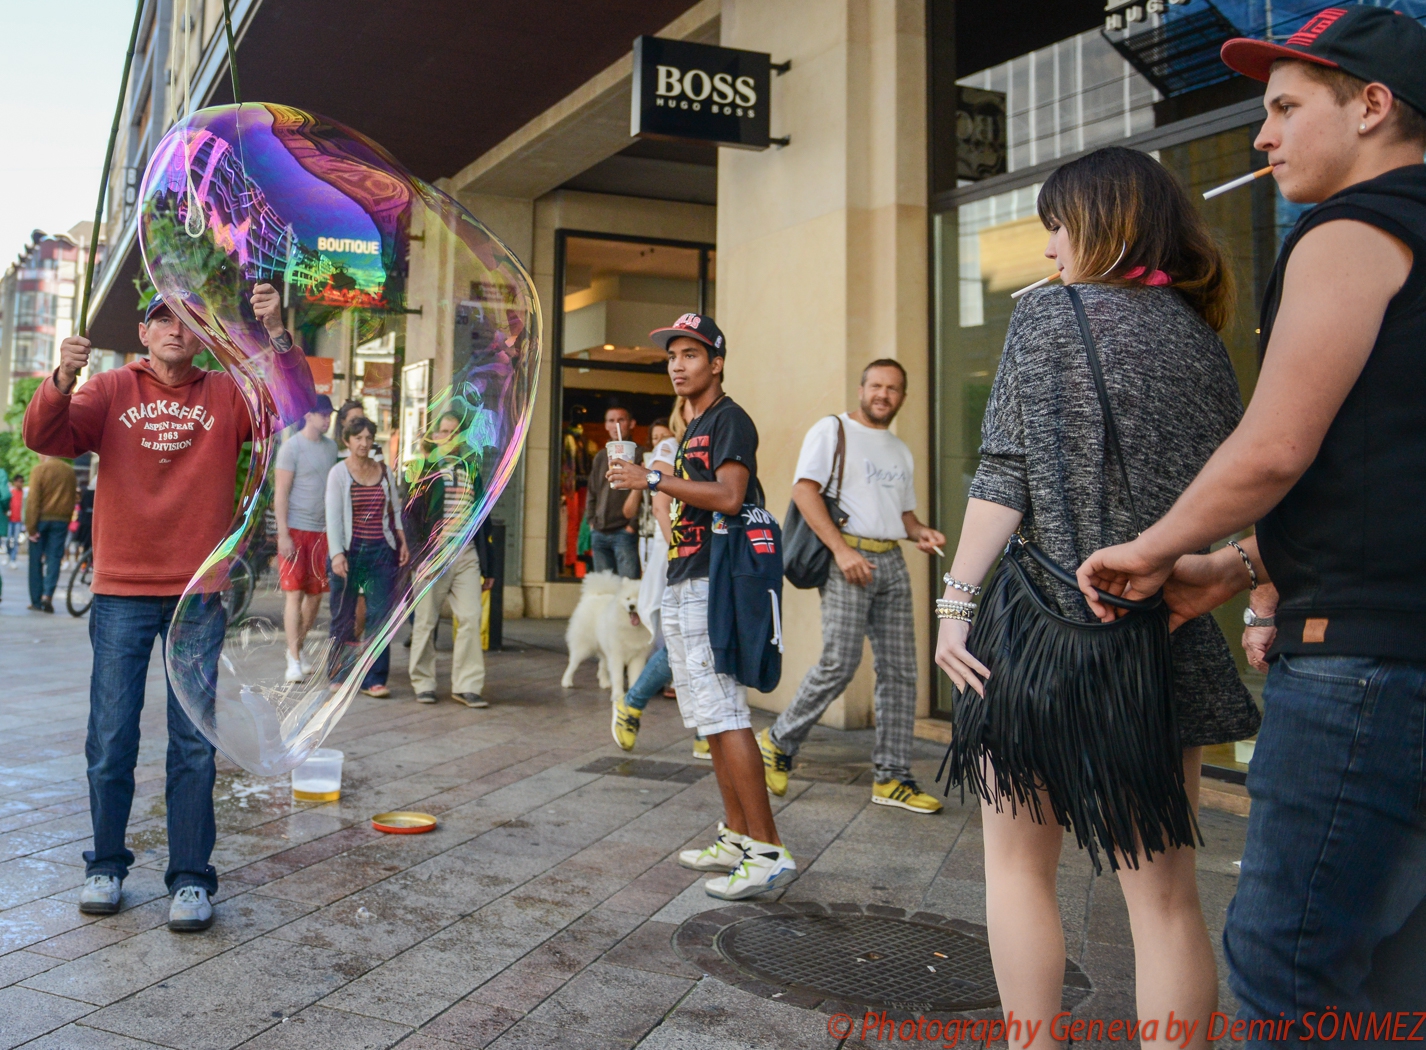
[[104, 175]]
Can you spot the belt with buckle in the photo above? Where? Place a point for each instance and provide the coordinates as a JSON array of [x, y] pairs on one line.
[[861, 543]]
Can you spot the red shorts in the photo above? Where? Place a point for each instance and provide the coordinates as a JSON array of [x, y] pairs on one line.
[[306, 570]]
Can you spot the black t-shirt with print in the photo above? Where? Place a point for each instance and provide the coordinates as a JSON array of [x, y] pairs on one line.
[[724, 433]]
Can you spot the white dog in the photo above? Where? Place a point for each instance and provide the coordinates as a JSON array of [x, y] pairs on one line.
[[606, 624]]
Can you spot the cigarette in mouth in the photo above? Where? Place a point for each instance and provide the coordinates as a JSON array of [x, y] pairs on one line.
[[1031, 287], [1242, 180]]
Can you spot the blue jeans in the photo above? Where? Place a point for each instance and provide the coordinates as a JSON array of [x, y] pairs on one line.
[[371, 571], [12, 538], [50, 551], [1334, 871], [654, 678], [616, 551], [122, 631]]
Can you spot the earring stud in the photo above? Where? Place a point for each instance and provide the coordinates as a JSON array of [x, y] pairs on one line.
[[1362, 129]]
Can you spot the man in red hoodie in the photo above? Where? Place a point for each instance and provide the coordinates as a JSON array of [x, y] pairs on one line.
[[169, 434]]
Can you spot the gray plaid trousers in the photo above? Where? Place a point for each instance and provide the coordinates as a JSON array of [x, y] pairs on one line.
[[882, 609]]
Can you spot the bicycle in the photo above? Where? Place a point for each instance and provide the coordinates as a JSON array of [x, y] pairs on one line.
[[78, 596]]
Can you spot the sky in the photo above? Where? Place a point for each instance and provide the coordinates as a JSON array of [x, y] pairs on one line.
[[59, 80]]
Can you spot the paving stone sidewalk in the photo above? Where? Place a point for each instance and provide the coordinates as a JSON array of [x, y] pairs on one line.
[[539, 914]]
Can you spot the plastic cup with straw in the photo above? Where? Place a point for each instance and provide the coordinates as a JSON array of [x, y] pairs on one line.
[[619, 448]]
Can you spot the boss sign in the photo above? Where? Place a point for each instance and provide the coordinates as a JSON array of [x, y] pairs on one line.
[[702, 92]]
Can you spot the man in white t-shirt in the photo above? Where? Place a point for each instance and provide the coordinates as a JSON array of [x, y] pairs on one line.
[[868, 591]]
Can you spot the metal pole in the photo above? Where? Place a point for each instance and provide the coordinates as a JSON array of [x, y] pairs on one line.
[[104, 176]]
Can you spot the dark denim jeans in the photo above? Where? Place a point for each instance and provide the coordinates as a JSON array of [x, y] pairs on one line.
[[654, 678], [1329, 910], [50, 551], [616, 551], [372, 570], [122, 632]]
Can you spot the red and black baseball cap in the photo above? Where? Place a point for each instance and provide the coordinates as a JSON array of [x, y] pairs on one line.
[[692, 326], [1374, 44]]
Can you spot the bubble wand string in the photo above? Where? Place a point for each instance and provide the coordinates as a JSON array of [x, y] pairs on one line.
[[104, 174]]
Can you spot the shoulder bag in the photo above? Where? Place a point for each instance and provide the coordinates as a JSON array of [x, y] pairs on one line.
[[1077, 714], [807, 561]]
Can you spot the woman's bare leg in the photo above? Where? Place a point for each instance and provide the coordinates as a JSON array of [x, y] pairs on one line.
[[1027, 941], [1173, 959]]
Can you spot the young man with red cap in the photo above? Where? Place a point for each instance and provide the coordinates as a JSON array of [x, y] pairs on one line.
[[1330, 462], [169, 434], [715, 469]]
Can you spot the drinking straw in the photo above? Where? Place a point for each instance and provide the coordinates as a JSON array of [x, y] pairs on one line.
[[104, 174], [1242, 180]]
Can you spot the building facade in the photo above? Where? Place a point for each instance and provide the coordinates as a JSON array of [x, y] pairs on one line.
[[39, 303], [892, 219]]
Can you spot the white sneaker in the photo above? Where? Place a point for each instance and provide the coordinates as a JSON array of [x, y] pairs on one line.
[[100, 895], [725, 854], [305, 664], [190, 910], [765, 868], [295, 670]]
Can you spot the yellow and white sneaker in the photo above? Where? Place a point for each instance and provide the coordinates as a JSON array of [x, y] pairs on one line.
[[626, 725], [777, 763], [701, 751], [765, 868], [725, 854], [906, 794]]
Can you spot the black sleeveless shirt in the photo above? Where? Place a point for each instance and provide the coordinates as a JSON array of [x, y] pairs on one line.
[[1346, 547]]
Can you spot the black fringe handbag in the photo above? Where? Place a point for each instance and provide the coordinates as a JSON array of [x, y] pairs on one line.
[[1081, 713]]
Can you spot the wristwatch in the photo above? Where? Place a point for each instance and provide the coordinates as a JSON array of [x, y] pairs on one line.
[[653, 478], [1252, 619]]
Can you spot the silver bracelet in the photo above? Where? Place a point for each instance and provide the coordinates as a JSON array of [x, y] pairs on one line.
[[1248, 562], [968, 588]]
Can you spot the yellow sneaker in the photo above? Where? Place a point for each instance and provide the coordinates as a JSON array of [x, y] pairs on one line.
[[625, 725], [701, 751], [906, 794], [776, 764]]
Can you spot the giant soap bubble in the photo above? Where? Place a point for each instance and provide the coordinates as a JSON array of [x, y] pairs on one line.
[[387, 278]]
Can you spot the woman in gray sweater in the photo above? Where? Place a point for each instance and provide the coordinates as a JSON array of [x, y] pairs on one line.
[[1155, 290]]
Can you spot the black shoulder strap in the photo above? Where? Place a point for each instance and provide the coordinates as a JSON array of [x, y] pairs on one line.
[[1111, 432]]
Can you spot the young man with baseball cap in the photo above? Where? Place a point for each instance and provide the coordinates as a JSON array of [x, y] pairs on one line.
[[715, 469], [1330, 462]]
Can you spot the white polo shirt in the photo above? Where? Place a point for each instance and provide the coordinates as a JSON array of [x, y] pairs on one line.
[[878, 484]]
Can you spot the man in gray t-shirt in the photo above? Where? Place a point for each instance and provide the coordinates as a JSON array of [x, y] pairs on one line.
[[303, 463]]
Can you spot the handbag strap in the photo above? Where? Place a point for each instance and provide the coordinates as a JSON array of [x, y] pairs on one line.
[[839, 458], [1111, 431]]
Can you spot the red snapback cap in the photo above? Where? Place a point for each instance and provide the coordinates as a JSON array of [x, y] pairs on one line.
[[1371, 43]]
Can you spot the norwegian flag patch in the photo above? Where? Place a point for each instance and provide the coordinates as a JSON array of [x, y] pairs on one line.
[[762, 541]]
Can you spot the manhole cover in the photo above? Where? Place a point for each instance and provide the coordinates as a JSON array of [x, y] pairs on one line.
[[867, 958], [844, 958]]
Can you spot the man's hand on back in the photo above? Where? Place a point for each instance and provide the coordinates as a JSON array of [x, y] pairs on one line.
[[267, 307], [73, 358]]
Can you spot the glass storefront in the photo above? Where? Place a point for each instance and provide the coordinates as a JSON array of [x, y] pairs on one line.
[[613, 292]]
